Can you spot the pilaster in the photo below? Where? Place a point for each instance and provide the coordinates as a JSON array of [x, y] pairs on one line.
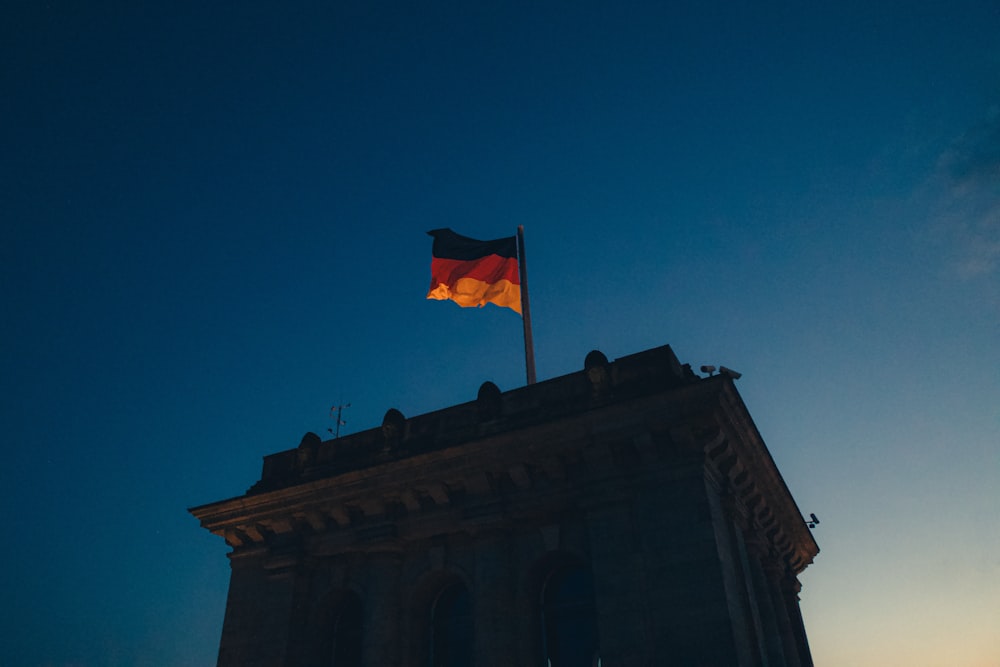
[[259, 609], [747, 623], [790, 589], [775, 573], [382, 642], [494, 602], [773, 643], [619, 586]]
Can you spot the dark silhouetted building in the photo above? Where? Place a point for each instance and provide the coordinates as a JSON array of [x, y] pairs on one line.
[[625, 515]]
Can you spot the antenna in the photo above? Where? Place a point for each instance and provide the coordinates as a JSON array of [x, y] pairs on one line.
[[339, 409]]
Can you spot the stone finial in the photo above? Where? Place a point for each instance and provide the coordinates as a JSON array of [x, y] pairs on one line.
[[393, 427], [598, 371], [310, 439], [307, 448], [489, 402]]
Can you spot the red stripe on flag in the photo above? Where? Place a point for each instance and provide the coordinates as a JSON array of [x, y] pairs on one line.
[[490, 269]]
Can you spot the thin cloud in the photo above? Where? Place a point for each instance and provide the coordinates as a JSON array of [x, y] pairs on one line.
[[971, 167], [974, 158]]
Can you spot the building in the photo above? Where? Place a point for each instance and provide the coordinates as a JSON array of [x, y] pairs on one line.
[[628, 514]]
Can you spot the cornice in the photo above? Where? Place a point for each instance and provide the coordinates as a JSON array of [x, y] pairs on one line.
[[476, 463], [753, 477]]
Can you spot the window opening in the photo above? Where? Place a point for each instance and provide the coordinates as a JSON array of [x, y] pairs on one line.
[[347, 634], [569, 619], [451, 628]]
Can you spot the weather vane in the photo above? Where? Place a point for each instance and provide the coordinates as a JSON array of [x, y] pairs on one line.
[[339, 422]]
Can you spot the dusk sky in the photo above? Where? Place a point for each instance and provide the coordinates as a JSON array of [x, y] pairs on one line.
[[214, 218]]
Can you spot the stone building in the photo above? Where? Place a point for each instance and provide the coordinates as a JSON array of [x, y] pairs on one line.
[[628, 514]]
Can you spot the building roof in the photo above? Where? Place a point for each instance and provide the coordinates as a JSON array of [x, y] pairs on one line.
[[609, 415]]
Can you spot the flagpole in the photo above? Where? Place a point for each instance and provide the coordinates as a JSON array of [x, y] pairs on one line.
[[529, 343]]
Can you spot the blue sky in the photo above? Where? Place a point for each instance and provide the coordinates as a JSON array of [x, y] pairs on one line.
[[213, 221]]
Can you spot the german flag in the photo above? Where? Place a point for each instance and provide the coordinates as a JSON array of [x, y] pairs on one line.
[[474, 273]]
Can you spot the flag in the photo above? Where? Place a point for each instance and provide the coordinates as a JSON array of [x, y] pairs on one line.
[[474, 273]]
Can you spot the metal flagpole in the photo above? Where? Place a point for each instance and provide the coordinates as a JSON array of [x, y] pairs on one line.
[[529, 343]]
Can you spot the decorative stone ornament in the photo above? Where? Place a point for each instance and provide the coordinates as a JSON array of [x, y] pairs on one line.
[[393, 428], [598, 373], [489, 402]]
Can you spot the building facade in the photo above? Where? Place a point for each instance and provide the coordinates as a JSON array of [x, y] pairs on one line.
[[628, 514]]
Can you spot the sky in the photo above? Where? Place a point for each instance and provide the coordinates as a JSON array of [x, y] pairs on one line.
[[213, 223]]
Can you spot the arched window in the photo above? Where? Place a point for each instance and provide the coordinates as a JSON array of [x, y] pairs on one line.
[[569, 619], [451, 628], [347, 627]]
